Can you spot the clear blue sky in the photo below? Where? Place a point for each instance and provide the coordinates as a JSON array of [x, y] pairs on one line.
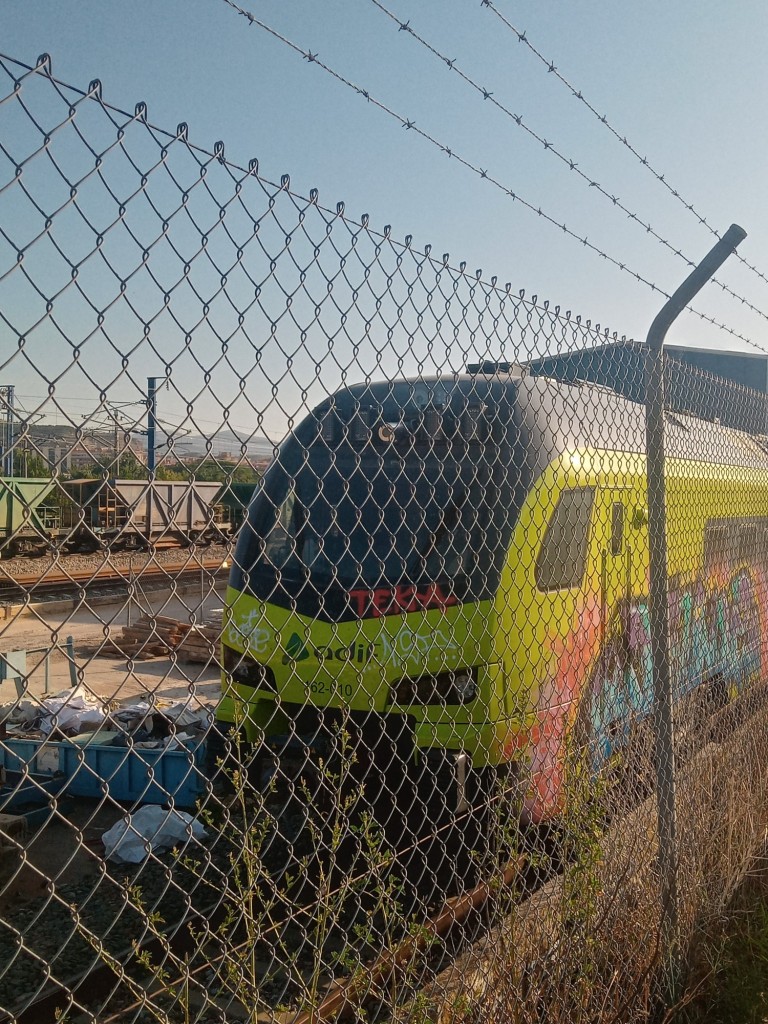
[[683, 81]]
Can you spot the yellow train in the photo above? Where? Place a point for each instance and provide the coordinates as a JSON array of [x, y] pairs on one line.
[[456, 569]]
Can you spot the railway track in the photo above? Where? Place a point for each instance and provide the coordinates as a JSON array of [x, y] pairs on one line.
[[196, 953], [193, 958], [48, 586]]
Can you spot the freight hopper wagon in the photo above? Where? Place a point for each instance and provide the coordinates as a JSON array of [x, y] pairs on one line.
[[451, 576], [142, 513], [234, 498], [30, 517]]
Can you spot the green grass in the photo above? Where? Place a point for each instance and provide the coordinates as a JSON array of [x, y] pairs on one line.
[[731, 986]]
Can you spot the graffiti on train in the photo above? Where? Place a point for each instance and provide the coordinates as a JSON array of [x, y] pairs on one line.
[[714, 637], [603, 678]]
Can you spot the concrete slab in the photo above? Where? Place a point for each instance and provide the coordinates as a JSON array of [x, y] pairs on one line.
[[44, 634]]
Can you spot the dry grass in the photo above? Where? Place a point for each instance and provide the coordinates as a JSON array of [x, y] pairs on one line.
[[587, 946], [728, 980]]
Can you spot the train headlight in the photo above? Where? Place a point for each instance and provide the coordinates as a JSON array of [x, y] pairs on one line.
[[465, 685], [246, 671], [448, 688]]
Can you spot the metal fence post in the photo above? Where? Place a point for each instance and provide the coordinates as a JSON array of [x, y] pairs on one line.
[[658, 592], [151, 423], [70, 648], [129, 602]]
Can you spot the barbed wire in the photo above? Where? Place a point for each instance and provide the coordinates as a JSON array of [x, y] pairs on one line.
[[410, 125], [44, 67], [603, 119], [551, 147], [162, 136]]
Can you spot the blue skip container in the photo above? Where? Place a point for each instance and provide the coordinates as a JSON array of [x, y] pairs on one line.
[[125, 774]]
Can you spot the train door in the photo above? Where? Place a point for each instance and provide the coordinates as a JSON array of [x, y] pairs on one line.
[[617, 691]]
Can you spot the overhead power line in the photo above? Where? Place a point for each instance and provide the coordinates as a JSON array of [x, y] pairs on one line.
[[550, 147], [552, 69], [410, 125]]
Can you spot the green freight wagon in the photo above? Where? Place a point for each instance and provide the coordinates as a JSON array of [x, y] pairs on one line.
[[30, 520], [235, 499]]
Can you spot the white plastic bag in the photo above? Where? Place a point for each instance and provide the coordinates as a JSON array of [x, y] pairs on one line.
[[152, 829], [75, 711]]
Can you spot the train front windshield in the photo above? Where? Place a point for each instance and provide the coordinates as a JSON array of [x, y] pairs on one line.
[[331, 523], [371, 523]]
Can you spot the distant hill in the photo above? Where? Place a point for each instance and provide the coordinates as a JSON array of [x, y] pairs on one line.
[[45, 436]]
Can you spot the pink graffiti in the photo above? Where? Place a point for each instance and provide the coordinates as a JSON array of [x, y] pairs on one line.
[[740, 599]]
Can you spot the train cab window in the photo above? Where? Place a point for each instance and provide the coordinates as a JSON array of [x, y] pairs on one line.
[[617, 528], [563, 553], [280, 542], [721, 539]]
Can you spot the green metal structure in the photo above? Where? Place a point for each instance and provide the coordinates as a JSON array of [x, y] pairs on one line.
[[28, 519]]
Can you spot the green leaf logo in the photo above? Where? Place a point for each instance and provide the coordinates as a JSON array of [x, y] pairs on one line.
[[295, 649]]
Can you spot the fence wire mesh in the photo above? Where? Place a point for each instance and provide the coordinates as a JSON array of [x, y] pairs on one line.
[[326, 646]]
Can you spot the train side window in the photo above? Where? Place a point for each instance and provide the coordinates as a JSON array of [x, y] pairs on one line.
[[617, 528], [748, 542], [563, 553], [720, 543]]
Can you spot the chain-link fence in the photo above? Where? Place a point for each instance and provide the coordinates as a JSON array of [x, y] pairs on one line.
[[326, 650]]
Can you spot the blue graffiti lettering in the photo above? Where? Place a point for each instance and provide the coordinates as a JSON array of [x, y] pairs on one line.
[[714, 635]]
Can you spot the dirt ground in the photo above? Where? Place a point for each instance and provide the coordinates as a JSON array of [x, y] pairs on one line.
[[43, 635]]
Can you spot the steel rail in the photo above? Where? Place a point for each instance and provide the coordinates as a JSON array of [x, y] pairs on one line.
[[109, 575]]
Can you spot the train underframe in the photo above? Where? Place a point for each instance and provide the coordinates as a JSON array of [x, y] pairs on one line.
[[441, 819]]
